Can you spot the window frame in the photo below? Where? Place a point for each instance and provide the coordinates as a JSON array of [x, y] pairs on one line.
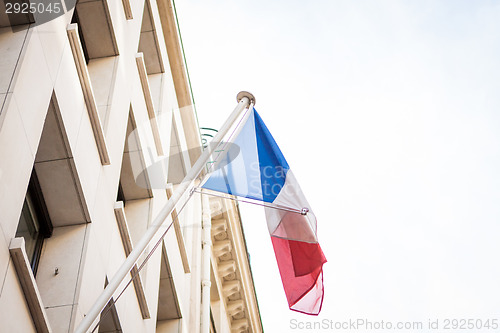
[[40, 214]]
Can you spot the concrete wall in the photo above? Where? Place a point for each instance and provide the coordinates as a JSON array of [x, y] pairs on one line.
[[48, 96], [37, 65]]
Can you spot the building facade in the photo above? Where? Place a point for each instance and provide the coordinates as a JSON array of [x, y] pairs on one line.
[[97, 129]]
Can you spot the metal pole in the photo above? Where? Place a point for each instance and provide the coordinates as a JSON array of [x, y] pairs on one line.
[[244, 100], [205, 263]]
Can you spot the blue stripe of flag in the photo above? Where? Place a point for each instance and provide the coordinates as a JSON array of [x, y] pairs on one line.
[[259, 169]]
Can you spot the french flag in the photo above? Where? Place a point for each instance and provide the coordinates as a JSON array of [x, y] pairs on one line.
[[254, 167]]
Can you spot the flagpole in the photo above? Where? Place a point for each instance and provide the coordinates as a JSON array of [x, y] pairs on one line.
[[244, 100]]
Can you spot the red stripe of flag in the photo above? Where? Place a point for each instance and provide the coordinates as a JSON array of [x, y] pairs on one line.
[[301, 269]]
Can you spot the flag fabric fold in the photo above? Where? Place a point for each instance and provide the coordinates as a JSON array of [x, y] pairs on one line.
[[254, 167]]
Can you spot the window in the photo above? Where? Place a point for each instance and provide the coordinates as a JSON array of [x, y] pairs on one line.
[[212, 322], [34, 224], [120, 196], [110, 322]]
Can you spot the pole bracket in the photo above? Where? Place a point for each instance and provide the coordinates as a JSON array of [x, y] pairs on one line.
[[246, 94]]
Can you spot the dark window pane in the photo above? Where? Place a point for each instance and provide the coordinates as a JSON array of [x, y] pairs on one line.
[[29, 227]]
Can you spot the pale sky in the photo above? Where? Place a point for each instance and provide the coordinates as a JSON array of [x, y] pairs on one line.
[[388, 113]]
